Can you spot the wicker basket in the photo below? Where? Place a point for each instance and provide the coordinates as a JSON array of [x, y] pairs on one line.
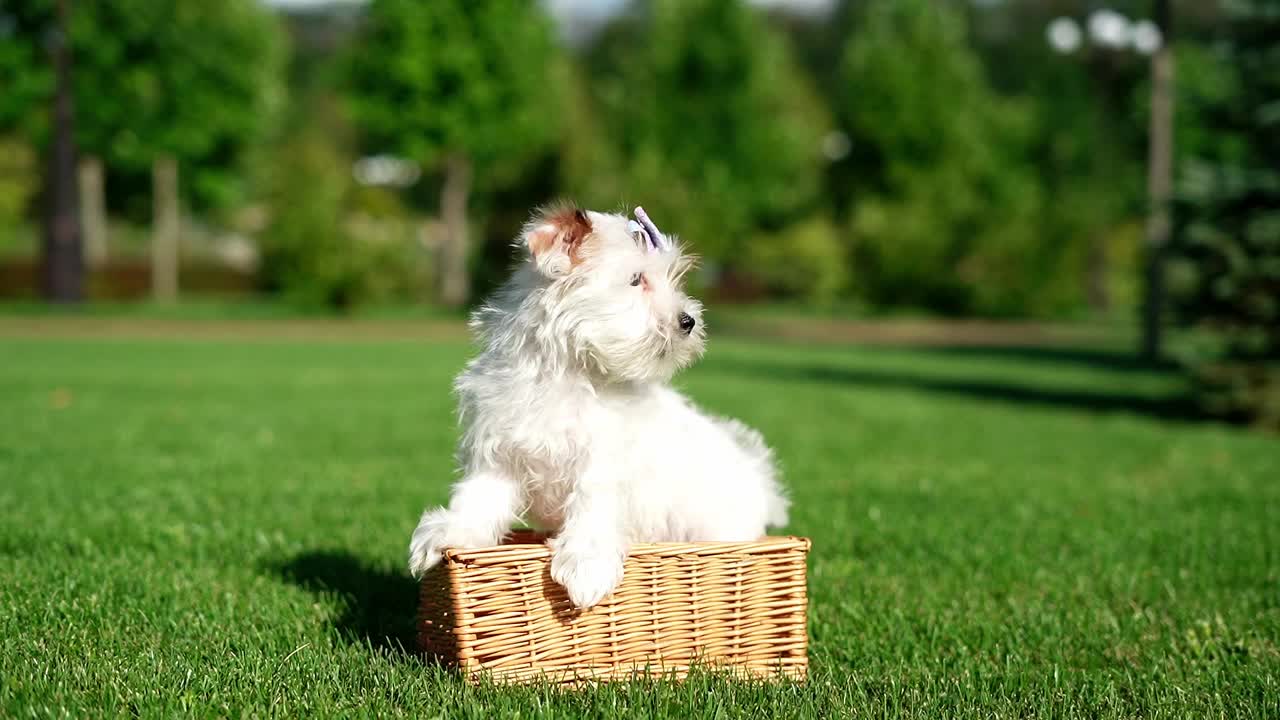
[[736, 606]]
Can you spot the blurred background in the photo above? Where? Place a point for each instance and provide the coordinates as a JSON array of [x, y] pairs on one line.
[[1081, 162]]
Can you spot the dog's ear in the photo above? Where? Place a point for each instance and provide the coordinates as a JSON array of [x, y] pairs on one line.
[[555, 236]]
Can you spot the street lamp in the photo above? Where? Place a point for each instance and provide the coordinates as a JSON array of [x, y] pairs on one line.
[[1107, 30], [1110, 30], [1064, 35]]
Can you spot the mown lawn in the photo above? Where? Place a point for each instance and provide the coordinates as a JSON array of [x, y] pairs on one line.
[[212, 527]]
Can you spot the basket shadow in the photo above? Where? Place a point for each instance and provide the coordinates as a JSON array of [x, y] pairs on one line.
[[557, 598], [553, 593], [379, 606]]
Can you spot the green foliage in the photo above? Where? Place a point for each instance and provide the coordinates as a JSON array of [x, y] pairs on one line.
[[18, 187], [1089, 155], [18, 178], [218, 528], [987, 174], [1090, 129], [946, 205], [702, 116], [1226, 260], [178, 78], [480, 78], [26, 74], [197, 80], [309, 250], [1207, 81], [807, 261]]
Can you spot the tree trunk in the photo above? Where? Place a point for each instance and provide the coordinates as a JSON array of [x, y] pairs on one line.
[[63, 262], [454, 275], [1159, 181], [164, 229], [93, 210]]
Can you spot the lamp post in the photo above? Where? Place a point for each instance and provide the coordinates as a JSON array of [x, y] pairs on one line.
[[1112, 31], [1159, 182]]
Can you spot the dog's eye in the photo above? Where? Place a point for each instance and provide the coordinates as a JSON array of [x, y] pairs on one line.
[[636, 279]]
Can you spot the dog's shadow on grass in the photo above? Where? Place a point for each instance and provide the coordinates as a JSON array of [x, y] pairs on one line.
[[379, 605]]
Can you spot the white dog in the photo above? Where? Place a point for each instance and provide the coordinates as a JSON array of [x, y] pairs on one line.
[[569, 422]]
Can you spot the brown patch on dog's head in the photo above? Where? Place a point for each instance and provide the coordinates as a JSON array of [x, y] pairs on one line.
[[555, 236]]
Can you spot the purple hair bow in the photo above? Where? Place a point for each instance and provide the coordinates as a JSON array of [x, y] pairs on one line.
[[656, 241]]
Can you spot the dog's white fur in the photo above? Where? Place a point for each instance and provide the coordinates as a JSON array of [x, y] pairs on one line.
[[569, 421]]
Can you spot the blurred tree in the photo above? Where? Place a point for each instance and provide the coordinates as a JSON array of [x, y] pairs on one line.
[[35, 60], [307, 252], [1225, 269], [18, 182], [469, 88], [806, 261], [329, 242], [174, 83], [159, 84], [63, 257], [26, 75], [946, 205], [1085, 153], [1087, 147], [697, 110]]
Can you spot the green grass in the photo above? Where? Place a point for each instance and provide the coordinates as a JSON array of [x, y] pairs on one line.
[[218, 528], [215, 309]]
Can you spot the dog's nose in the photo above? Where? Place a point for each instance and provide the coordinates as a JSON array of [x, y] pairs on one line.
[[687, 322]]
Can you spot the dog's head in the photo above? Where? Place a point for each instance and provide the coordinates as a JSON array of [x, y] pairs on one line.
[[611, 293]]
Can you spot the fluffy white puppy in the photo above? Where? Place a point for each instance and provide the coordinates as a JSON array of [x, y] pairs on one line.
[[568, 419]]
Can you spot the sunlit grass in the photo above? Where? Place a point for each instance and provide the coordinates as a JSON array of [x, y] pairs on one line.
[[218, 528]]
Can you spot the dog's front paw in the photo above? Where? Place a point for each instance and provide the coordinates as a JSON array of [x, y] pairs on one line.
[[428, 543], [424, 553], [587, 576]]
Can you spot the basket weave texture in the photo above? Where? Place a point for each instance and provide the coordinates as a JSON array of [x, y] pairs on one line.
[[736, 606]]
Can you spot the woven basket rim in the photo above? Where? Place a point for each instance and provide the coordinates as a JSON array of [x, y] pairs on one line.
[[524, 545]]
